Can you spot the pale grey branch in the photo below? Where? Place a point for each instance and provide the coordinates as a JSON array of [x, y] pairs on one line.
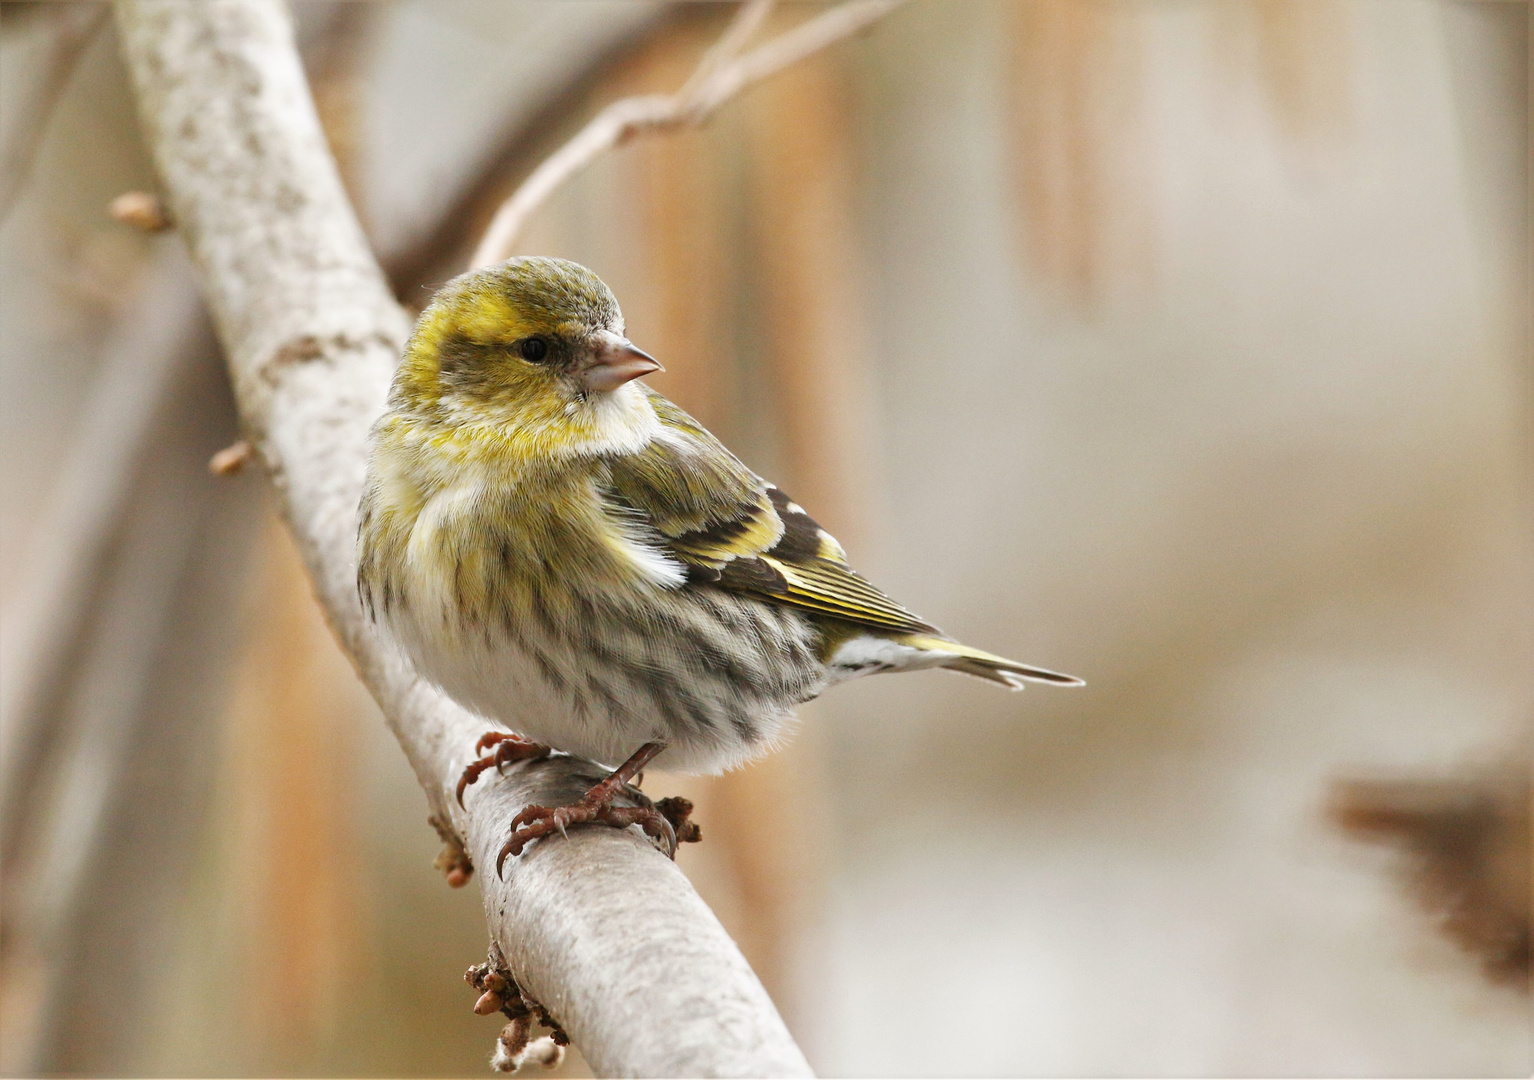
[[601, 927]]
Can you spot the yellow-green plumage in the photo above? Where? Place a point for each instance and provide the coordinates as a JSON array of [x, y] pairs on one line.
[[566, 551]]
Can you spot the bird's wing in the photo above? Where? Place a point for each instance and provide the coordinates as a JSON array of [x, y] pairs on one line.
[[732, 529]]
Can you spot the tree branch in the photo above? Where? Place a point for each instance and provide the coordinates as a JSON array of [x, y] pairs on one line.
[[721, 75], [603, 929]]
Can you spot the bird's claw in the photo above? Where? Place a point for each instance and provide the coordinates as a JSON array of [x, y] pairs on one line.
[[539, 821], [509, 748]]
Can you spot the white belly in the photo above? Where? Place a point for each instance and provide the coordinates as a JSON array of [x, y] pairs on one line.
[[603, 691]]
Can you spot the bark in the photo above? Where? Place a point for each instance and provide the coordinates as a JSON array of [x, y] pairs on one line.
[[601, 928]]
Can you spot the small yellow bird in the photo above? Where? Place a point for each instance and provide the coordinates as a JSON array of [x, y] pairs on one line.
[[563, 550]]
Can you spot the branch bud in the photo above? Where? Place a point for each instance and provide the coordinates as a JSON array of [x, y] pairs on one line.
[[141, 209]]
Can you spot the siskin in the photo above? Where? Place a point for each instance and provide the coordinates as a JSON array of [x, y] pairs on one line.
[[563, 550]]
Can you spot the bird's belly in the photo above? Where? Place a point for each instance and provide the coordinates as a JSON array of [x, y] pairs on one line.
[[713, 675]]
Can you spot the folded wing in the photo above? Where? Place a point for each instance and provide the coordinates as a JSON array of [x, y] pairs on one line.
[[733, 530]]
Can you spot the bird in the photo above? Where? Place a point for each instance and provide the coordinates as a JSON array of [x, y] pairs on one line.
[[568, 554]]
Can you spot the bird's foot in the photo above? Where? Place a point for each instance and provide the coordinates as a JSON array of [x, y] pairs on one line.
[[596, 807], [664, 822], [509, 748]]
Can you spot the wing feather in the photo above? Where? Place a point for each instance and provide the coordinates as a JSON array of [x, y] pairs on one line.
[[734, 530]]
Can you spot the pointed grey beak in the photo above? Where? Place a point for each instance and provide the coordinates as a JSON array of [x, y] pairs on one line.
[[615, 362]]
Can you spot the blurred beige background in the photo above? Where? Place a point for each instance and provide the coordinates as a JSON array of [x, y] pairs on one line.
[[1183, 346]]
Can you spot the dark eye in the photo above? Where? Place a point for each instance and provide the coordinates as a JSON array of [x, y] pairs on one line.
[[535, 349]]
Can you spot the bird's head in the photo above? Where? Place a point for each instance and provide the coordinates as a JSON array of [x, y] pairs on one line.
[[533, 347]]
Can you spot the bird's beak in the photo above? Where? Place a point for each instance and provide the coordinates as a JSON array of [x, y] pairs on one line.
[[615, 362]]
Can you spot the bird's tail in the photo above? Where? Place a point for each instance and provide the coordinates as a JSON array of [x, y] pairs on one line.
[[984, 665]]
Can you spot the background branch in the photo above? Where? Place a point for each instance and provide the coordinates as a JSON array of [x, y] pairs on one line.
[[70, 29], [721, 75], [91, 498], [602, 929]]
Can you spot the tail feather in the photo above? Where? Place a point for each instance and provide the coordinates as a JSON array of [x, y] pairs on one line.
[[996, 669]]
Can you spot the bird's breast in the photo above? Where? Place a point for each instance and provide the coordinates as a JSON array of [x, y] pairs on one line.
[[479, 551]]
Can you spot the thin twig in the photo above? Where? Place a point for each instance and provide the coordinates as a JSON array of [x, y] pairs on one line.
[[721, 75], [748, 20]]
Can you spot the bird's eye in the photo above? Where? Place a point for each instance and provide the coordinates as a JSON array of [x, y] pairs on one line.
[[535, 349]]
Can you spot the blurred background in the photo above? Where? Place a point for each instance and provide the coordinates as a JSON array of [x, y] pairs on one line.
[[1182, 345]]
